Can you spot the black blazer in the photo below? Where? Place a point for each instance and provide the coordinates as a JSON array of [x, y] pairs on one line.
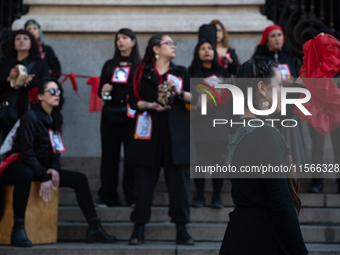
[[143, 152], [51, 60]]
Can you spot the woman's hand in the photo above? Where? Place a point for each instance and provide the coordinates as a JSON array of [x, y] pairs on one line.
[[13, 74], [107, 87], [159, 108], [229, 59], [55, 177], [45, 190], [29, 79], [174, 87], [300, 81]]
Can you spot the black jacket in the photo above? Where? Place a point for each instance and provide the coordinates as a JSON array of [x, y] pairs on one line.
[[115, 109], [33, 143], [51, 60], [143, 152], [293, 62]]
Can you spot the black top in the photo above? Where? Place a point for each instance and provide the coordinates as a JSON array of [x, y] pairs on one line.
[[115, 109], [146, 152], [51, 60], [33, 143], [203, 124], [293, 62], [267, 198]]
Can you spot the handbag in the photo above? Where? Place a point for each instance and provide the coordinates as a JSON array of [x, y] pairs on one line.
[[8, 111]]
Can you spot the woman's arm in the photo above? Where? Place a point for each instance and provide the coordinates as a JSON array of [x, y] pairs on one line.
[[27, 132]]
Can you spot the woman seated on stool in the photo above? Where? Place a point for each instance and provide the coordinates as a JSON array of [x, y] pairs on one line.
[[38, 161]]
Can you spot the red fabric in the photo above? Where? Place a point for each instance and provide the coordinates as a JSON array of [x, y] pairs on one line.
[[266, 33], [225, 96], [9, 160], [73, 81], [33, 96], [96, 103], [321, 62]]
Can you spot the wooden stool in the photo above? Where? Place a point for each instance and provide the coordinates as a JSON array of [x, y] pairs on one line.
[[41, 218]]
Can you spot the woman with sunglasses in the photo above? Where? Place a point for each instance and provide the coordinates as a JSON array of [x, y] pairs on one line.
[[46, 52], [21, 49], [38, 160], [161, 136], [115, 83]]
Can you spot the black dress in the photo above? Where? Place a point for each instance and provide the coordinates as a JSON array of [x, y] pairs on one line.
[[115, 129], [264, 220]]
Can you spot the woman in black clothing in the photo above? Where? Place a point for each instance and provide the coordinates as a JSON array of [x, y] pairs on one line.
[[227, 57], [205, 65], [116, 82], [39, 161], [264, 220], [22, 49], [46, 52], [161, 137], [272, 47]]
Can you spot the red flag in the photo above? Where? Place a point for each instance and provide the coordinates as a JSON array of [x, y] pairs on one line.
[[96, 103], [73, 81]]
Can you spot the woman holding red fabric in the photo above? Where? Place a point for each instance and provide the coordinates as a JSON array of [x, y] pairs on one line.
[[161, 136], [227, 57], [115, 83], [272, 47], [46, 52]]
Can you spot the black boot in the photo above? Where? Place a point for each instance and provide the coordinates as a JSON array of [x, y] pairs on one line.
[[96, 233], [182, 236], [19, 237], [137, 236]]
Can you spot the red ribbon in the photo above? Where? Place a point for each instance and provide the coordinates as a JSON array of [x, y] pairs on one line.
[[9, 160], [96, 103], [73, 81], [33, 96]]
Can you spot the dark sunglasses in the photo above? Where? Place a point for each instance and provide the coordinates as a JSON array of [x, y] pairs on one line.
[[53, 91]]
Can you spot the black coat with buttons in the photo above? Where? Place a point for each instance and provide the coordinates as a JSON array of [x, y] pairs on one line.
[[143, 152]]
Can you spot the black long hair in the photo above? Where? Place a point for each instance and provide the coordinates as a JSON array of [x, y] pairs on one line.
[[134, 56], [149, 57], [11, 52], [262, 69], [57, 117], [195, 70]]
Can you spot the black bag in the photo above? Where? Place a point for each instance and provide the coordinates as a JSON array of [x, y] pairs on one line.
[[8, 112]]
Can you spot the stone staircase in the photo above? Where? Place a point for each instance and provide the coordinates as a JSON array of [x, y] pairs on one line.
[[319, 218]]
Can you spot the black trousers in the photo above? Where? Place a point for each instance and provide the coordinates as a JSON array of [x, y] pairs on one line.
[[112, 136], [177, 179], [22, 176]]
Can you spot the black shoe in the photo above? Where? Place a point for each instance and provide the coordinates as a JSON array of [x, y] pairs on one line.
[[19, 237], [182, 236], [96, 233], [198, 202], [317, 188], [103, 203], [137, 236], [216, 203]]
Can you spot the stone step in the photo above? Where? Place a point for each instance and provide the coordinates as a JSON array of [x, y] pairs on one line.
[[211, 232], [207, 215], [67, 197], [149, 248]]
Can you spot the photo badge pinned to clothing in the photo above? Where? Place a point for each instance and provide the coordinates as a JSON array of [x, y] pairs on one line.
[[212, 80], [129, 112], [178, 81], [143, 126], [121, 74], [284, 68], [56, 141]]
